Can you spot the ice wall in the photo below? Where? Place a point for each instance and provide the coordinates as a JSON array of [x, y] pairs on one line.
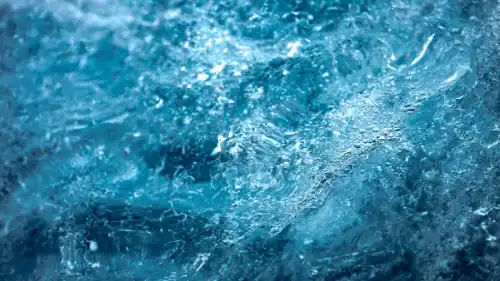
[[249, 140]]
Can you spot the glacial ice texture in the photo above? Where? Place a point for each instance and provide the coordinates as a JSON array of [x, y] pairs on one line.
[[241, 140]]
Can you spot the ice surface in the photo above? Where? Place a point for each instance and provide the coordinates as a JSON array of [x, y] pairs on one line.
[[249, 140]]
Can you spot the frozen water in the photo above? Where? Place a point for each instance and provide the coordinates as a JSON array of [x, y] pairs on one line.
[[249, 140]]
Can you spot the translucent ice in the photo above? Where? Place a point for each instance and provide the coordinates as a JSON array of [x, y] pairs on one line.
[[249, 140]]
